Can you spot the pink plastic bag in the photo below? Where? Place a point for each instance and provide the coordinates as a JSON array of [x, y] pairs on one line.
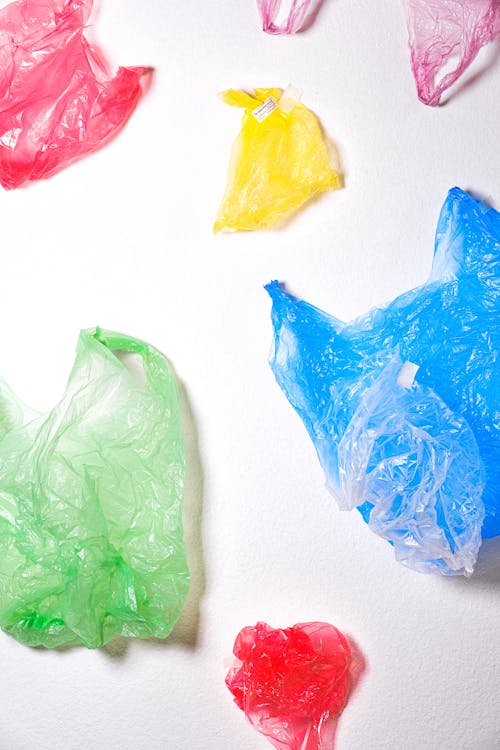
[[283, 16], [58, 101], [444, 33]]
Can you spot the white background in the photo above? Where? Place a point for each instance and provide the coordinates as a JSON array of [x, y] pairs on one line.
[[123, 240]]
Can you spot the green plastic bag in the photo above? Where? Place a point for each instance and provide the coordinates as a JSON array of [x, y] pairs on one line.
[[91, 541]]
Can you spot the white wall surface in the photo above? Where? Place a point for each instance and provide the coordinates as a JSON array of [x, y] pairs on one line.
[[123, 240]]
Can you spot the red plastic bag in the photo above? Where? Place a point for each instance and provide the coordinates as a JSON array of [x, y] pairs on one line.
[[292, 683], [58, 100]]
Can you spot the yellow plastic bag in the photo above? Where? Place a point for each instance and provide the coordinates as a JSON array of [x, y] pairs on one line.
[[279, 161]]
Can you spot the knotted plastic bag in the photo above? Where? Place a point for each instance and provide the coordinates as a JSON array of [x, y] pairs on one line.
[[292, 683], [279, 161], [284, 16], [58, 100], [91, 541], [402, 403], [445, 37]]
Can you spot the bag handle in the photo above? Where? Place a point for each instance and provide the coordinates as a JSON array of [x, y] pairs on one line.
[[156, 367]]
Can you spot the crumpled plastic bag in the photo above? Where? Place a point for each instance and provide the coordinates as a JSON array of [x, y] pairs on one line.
[[58, 100], [292, 683], [444, 33], [91, 541], [284, 16], [402, 403], [279, 161]]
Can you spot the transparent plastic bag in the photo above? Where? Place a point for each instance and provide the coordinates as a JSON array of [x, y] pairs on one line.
[[416, 465], [292, 683], [279, 161], [412, 457], [91, 541], [445, 37], [58, 100]]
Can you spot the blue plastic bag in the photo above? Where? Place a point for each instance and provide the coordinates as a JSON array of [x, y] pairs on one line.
[[402, 403]]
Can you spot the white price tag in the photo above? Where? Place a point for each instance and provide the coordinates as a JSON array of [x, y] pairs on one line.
[[265, 109]]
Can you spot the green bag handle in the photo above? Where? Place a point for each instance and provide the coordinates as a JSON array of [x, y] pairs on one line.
[[156, 368]]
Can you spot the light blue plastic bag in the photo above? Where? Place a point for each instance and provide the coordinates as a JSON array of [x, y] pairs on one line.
[[402, 403]]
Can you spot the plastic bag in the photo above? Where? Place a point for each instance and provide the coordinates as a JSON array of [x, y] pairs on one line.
[[58, 101], [292, 683], [283, 16], [279, 161], [410, 446], [445, 37], [91, 541]]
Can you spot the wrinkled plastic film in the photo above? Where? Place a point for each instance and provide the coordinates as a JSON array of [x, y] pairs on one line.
[[444, 37], [284, 16], [292, 683], [419, 462], [91, 541], [279, 162], [58, 100]]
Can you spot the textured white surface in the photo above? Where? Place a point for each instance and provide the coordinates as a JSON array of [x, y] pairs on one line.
[[123, 240]]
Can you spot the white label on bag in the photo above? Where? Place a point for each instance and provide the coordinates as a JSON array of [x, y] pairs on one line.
[[290, 97], [265, 109], [407, 374]]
